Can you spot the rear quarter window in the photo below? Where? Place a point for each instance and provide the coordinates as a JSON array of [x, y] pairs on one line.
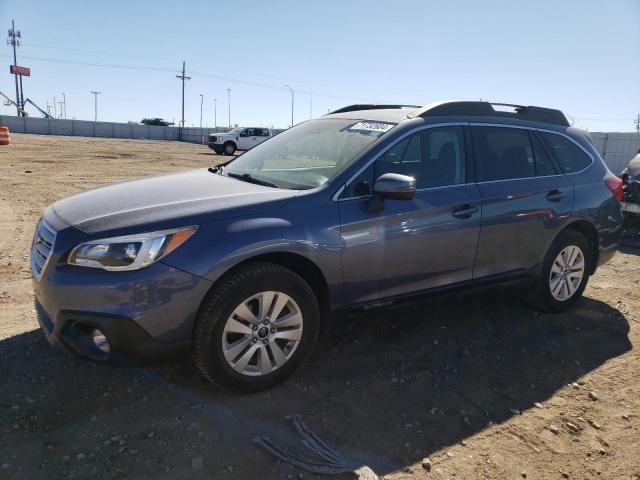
[[571, 158]]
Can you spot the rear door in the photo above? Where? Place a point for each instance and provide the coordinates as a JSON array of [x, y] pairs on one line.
[[524, 199], [419, 244]]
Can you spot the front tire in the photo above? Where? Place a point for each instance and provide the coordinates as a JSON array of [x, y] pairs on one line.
[[229, 148], [256, 328], [565, 273]]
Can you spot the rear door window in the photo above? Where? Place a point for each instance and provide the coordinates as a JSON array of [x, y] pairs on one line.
[[570, 156], [503, 153], [544, 164]]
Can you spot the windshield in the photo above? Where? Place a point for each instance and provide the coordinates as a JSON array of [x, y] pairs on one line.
[[308, 155]]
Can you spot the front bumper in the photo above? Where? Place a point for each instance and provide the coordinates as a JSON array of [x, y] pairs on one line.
[[144, 313]]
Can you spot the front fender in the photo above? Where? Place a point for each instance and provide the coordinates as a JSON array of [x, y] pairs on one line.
[[297, 229]]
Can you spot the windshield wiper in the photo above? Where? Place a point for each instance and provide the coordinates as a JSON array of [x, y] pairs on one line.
[[248, 178]]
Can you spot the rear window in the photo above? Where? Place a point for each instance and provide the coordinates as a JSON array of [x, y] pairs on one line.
[[570, 156]]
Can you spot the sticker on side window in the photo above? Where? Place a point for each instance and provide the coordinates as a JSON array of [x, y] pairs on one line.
[[377, 127]]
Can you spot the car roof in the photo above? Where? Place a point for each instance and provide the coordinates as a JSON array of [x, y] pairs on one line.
[[505, 112]]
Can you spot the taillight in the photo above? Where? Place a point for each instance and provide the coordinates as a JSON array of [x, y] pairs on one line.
[[615, 185]]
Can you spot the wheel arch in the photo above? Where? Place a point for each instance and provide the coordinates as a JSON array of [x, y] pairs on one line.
[[590, 232], [297, 263]]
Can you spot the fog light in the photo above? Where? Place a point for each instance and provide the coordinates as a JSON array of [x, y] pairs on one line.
[[100, 341]]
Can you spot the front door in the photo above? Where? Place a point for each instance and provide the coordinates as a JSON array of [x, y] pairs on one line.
[[524, 200], [247, 139], [412, 245]]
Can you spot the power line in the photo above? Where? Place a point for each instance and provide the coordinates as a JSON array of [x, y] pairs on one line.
[[198, 73]]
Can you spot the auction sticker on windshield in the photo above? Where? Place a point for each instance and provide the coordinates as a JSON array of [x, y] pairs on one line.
[[378, 127]]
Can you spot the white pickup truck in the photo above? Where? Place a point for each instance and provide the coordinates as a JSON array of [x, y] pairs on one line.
[[240, 138]]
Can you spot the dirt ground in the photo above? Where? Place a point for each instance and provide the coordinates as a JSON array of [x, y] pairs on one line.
[[481, 385]]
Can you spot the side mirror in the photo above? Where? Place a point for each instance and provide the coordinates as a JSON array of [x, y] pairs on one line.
[[244, 134], [395, 186], [392, 186]]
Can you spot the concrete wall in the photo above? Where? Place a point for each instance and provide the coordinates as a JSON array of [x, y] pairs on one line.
[[82, 128], [616, 148]]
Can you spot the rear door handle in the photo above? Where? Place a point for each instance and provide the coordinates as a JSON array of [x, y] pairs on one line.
[[555, 195], [464, 211]]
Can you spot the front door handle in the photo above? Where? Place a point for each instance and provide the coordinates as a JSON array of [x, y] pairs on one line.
[[464, 211], [555, 195]]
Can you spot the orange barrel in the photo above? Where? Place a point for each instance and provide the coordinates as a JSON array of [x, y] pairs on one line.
[[4, 135]]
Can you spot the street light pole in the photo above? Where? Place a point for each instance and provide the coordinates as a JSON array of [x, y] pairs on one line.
[[229, 102], [215, 114], [95, 108], [292, 95], [201, 102]]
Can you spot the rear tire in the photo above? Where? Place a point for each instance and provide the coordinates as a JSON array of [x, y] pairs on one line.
[[256, 328], [565, 273]]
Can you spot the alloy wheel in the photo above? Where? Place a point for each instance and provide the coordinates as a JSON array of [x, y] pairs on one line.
[[262, 333], [567, 272]]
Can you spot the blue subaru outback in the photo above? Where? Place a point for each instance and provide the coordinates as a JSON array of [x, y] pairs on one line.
[[242, 263]]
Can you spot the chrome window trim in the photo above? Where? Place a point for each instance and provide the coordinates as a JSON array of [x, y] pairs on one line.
[[336, 196]]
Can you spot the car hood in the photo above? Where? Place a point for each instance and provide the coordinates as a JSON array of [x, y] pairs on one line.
[[166, 201]]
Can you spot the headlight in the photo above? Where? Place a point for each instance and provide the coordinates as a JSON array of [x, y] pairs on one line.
[[130, 252]]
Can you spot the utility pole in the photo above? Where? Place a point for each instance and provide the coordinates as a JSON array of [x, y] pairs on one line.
[[201, 102], [215, 114], [183, 77], [229, 104], [61, 103], [637, 122], [64, 101], [55, 110], [95, 105], [292, 95], [14, 41]]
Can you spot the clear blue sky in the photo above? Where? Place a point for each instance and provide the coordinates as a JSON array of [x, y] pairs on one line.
[[581, 56]]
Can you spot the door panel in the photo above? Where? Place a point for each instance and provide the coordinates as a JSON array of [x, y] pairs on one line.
[[522, 210], [411, 245], [249, 141], [519, 220]]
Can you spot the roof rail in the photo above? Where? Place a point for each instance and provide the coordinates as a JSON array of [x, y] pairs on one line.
[[365, 106], [486, 109]]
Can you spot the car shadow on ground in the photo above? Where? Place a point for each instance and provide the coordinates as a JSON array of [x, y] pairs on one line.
[[385, 389]]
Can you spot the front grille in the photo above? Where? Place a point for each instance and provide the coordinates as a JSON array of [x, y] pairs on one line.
[[43, 241]]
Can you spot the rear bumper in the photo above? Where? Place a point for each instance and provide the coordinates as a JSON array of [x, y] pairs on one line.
[[629, 207]]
